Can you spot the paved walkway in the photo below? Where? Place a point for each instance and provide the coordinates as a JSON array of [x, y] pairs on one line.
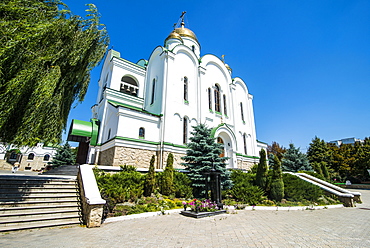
[[341, 227]]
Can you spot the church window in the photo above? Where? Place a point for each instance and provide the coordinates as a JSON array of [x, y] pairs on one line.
[[153, 91], [185, 130], [141, 133], [217, 99], [225, 106], [245, 143], [31, 156], [129, 86], [242, 112], [210, 98], [185, 89], [193, 48], [46, 157]]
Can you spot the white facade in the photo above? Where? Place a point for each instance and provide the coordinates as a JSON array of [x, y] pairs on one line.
[[174, 89], [29, 158]]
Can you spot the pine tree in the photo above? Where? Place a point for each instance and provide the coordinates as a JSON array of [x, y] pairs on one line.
[[149, 186], [277, 183], [319, 156], [64, 156], [46, 55], [202, 154], [262, 171], [294, 160], [167, 183]]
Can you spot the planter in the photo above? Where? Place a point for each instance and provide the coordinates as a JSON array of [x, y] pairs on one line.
[[201, 214]]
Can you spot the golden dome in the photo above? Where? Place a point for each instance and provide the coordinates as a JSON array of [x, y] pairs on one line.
[[182, 32], [174, 35]]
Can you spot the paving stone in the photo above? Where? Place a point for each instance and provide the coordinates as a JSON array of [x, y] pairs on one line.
[[341, 227]]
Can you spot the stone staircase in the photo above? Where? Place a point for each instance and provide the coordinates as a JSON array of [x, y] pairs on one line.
[[28, 202]]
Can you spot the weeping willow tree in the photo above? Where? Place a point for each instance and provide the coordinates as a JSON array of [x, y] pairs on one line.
[[46, 55]]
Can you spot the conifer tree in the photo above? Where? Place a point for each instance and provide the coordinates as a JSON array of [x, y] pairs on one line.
[[294, 160], [149, 186], [167, 183], [277, 183], [64, 156], [202, 155], [46, 55], [262, 171]]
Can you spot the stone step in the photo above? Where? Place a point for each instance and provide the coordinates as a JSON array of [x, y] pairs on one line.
[[5, 181], [30, 194], [32, 198], [36, 190], [38, 202], [40, 224], [31, 208], [27, 217]]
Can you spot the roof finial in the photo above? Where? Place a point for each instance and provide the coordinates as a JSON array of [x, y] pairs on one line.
[[223, 58], [182, 18]]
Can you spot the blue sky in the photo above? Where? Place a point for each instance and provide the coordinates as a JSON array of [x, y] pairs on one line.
[[307, 63]]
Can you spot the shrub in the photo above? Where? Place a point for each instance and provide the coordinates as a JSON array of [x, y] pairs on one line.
[[298, 190], [182, 185]]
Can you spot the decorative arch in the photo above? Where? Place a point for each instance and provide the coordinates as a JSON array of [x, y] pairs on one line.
[[228, 138]]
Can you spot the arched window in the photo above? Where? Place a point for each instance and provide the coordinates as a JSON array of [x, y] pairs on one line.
[[219, 140], [210, 98], [193, 48], [46, 157], [185, 89], [129, 86], [225, 106], [245, 143], [153, 91], [31, 156], [241, 111], [185, 130], [217, 99], [108, 136], [141, 133]]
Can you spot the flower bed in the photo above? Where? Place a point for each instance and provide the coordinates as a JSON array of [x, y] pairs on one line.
[[200, 209]]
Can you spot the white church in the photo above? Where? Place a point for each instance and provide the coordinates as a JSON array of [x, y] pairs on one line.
[[149, 107]]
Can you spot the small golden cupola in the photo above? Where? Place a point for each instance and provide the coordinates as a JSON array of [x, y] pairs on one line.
[[182, 35]]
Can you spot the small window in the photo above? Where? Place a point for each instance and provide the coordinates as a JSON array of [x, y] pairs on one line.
[[241, 111], [245, 143], [193, 48], [185, 89], [31, 156], [217, 99], [108, 136], [153, 91], [210, 98], [13, 155], [141, 133], [225, 106], [185, 130], [47, 157]]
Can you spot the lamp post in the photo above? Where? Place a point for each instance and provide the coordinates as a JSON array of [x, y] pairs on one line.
[[214, 185]]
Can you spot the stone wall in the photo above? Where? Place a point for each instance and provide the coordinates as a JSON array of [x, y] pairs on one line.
[[244, 164], [37, 163], [176, 159], [139, 158]]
